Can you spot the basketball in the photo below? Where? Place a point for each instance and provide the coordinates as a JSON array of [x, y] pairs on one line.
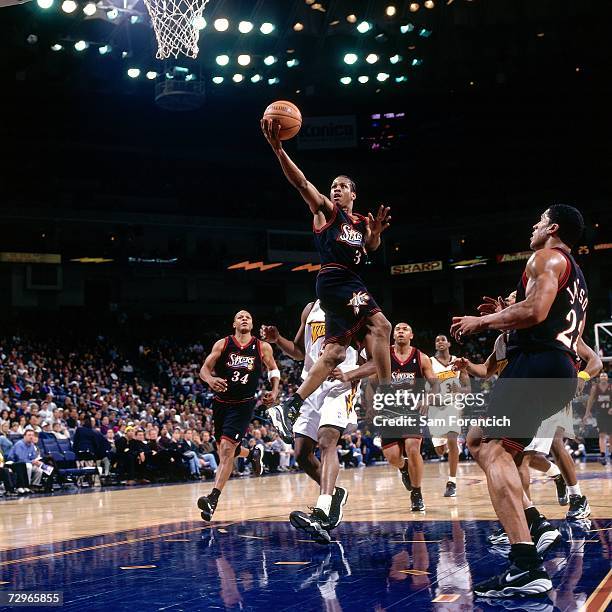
[[288, 115]]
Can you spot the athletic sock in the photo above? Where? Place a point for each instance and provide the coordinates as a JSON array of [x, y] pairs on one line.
[[213, 496], [553, 471], [532, 515], [324, 503], [575, 490], [525, 555], [452, 479], [416, 489]]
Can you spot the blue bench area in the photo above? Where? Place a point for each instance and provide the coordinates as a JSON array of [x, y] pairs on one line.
[[64, 457]]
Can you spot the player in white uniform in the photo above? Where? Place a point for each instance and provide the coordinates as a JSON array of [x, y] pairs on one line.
[[451, 381], [324, 417]]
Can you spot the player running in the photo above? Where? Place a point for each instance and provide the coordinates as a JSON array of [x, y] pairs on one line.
[[600, 399]]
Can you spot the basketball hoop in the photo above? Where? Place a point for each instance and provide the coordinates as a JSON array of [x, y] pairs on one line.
[[175, 25]]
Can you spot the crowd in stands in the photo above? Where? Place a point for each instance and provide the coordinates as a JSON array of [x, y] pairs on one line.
[[139, 415]]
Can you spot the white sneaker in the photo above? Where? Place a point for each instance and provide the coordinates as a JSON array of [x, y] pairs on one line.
[[21, 491]]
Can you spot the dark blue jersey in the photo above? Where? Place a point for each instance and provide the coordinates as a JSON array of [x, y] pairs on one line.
[[241, 367], [341, 241], [566, 318], [407, 374]]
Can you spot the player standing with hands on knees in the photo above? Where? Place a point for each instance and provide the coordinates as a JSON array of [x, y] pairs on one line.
[[343, 239]]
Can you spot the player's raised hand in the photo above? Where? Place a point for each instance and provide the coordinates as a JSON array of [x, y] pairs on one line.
[[460, 364], [218, 384], [269, 333], [491, 305], [464, 326], [382, 220], [271, 131]]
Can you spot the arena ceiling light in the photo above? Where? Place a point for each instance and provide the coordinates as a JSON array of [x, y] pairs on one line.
[[292, 63], [298, 27], [395, 59], [244, 27], [424, 33], [217, 80], [238, 78], [133, 73], [81, 45], [350, 58], [221, 24], [222, 60], [104, 49], [256, 78], [401, 79], [372, 58], [69, 6], [44, 4], [244, 60], [90, 9], [199, 23], [269, 60], [363, 78], [346, 80], [112, 14], [382, 76], [151, 75], [406, 28], [364, 27], [417, 61], [266, 28], [429, 4], [56, 47], [390, 11], [273, 81], [351, 18], [414, 7]]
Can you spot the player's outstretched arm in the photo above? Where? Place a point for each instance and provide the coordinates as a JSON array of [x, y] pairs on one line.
[[376, 226], [594, 364], [267, 356], [294, 349], [589, 406], [429, 374], [206, 372], [317, 202]]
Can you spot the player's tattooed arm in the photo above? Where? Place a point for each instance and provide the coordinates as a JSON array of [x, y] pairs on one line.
[[375, 226], [217, 384], [267, 356], [319, 205]]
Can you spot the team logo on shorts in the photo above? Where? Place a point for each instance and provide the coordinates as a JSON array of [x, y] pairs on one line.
[[317, 330], [350, 398], [359, 299], [244, 362]]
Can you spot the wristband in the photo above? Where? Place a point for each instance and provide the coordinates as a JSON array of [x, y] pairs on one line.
[[584, 375], [273, 374]]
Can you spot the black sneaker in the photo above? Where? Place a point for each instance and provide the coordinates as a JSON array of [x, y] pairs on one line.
[[603, 460], [255, 459], [516, 582], [416, 498], [317, 524], [207, 506], [544, 535], [451, 489], [498, 537], [283, 417], [406, 479], [579, 508], [335, 511], [562, 496]]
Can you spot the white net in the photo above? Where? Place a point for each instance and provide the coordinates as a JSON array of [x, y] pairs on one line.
[[177, 26]]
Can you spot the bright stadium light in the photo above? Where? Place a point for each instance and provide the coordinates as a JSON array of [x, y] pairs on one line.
[[372, 58], [90, 9], [269, 60], [244, 60], [221, 24], [424, 33], [217, 80], [237, 78], [417, 62], [104, 49], [69, 6], [244, 27], [151, 75], [199, 23], [346, 80], [429, 4], [266, 28], [222, 60], [414, 7], [56, 47], [292, 63], [401, 79], [382, 76], [273, 81], [112, 14], [81, 45], [298, 27], [133, 73], [350, 58], [363, 79], [395, 59], [45, 4], [390, 11], [364, 26], [256, 78], [407, 27]]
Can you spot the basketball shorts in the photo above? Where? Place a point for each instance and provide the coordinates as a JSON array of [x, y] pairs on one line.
[[545, 435], [604, 422], [332, 404], [530, 389], [231, 420], [347, 304]]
